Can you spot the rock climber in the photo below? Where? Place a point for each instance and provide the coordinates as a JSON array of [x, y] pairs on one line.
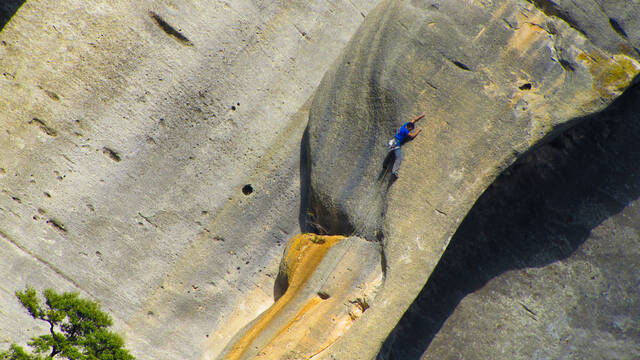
[[405, 132]]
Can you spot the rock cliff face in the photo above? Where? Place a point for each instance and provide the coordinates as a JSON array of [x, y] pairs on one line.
[[149, 157], [330, 282], [153, 158], [546, 264], [496, 78]]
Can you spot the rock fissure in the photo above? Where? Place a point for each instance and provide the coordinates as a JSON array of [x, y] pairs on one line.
[[616, 26], [44, 127], [550, 8], [41, 260], [460, 65]]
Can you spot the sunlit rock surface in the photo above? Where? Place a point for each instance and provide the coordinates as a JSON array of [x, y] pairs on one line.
[[495, 79], [151, 158], [546, 264], [128, 130], [331, 280]]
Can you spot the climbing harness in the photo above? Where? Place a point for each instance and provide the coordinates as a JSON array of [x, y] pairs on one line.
[[392, 144]]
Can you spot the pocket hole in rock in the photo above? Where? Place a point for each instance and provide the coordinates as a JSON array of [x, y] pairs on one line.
[[526, 86]]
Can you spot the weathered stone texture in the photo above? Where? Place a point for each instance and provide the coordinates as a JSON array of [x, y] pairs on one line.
[[127, 131], [331, 282], [495, 78], [130, 128], [546, 263]]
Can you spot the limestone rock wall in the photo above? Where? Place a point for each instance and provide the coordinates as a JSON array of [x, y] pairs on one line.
[[496, 78], [545, 265], [150, 150], [128, 130]]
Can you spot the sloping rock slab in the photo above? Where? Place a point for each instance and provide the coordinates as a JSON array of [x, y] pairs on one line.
[[496, 78], [547, 262]]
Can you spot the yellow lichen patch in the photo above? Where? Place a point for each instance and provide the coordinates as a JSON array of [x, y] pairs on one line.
[[305, 252], [611, 74], [514, 100], [493, 90], [497, 15], [320, 322], [253, 303]]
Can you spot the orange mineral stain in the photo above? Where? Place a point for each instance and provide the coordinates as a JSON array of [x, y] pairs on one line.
[[305, 252]]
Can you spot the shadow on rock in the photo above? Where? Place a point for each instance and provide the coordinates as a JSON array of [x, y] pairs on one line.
[[304, 217], [7, 9], [385, 172], [538, 211]]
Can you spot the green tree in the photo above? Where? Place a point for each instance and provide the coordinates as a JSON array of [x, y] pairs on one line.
[[77, 330]]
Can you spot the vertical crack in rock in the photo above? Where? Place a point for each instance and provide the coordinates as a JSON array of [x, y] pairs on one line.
[[112, 154], [460, 65], [616, 26], [56, 224], [566, 64], [41, 260], [550, 8]]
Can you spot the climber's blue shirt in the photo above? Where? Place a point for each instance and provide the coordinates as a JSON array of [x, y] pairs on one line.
[[402, 134]]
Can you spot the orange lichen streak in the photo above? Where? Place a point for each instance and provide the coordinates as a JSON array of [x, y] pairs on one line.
[[304, 254]]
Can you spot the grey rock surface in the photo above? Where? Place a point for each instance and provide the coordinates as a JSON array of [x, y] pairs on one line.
[[128, 130], [150, 152], [496, 78], [546, 264]]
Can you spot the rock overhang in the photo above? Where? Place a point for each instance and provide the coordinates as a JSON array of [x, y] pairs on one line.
[[495, 78]]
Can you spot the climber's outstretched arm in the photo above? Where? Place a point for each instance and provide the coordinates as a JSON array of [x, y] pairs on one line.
[[417, 118]]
